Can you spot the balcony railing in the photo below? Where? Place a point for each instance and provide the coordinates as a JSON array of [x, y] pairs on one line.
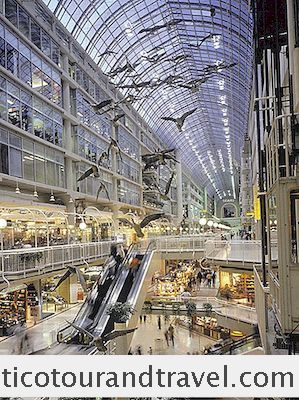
[[244, 251], [43, 259]]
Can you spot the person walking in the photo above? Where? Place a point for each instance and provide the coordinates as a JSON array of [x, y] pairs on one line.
[[166, 337], [159, 322], [139, 352], [214, 278], [199, 278], [171, 334], [150, 351], [140, 318], [144, 318]]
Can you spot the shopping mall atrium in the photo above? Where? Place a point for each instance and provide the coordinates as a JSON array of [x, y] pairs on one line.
[[149, 190]]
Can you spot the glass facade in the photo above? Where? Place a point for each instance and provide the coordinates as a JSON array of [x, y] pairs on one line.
[[25, 64], [29, 28], [128, 193], [84, 111], [28, 112], [91, 185], [25, 158]]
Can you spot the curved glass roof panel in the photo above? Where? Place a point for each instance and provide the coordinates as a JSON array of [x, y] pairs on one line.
[[210, 39]]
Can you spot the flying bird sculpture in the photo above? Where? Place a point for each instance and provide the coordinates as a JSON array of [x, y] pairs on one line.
[[168, 25], [100, 342], [72, 271], [128, 67], [114, 145], [139, 226], [193, 85], [103, 159], [164, 196], [98, 106], [213, 11], [157, 158], [101, 188], [181, 120], [92, 170], [200, 42], [107, 53]]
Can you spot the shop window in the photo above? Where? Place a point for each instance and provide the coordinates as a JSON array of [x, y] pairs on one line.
[[23, 22], [58, 134], [15, 164], [11, 11], [36, 34], [4, 158]]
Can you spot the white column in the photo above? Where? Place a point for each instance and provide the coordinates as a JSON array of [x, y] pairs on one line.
[[179, 183]]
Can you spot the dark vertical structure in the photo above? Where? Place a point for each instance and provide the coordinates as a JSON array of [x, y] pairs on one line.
[[270, 33]]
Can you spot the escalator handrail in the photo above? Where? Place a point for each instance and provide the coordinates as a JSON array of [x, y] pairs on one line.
[[119, 280], [230, 347], [95, 284]]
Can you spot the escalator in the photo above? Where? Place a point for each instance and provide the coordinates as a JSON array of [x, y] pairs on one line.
[[240, 346], [94, 302]]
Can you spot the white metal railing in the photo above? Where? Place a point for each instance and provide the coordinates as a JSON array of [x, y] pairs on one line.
[[181, 243], [244, 251], [50, 258]]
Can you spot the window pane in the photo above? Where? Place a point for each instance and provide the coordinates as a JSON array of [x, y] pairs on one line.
[[2, 52], [11, 11], [26, 117], [23, 22], [15, 162], [46, 44], [12, 57], [37, 81], [28, 165], [3, 158], [49, 130], [40, 169], [3, 105], [51, 173], [55, 53], [25, 70], [13, 111], [38, 124], [36, 34]]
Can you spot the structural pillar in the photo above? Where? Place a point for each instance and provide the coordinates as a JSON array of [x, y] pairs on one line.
[[179, 184]]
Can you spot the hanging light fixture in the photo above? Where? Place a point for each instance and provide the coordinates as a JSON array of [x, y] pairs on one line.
[[35, 194], [52, 198], [18, 191]]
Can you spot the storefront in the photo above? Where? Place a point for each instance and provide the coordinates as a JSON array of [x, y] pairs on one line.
[[17, 305], [237, 287], [179, 278]]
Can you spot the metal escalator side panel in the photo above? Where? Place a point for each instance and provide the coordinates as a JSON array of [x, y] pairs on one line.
[[99, 326]]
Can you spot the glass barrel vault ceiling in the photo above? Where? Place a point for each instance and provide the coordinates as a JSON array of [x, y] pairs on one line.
[[212, 137]]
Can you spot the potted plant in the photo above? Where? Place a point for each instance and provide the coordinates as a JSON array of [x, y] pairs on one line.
[[191, 312], [120, 313], [208, 309]]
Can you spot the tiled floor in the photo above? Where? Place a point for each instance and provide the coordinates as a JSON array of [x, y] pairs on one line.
[[149, 335], [43, 334]]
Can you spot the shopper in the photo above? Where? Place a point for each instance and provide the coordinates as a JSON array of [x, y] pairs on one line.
[[214, 278], [171, 334], [166, 337], [159, 322], [139, 351], [150, 351], [209, 279], [144, 318], [199, 278], [140, 318]]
